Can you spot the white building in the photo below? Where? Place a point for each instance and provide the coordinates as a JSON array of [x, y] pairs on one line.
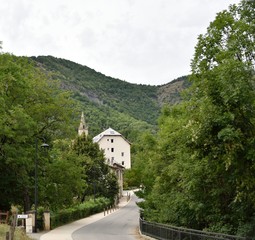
[[115, 146]]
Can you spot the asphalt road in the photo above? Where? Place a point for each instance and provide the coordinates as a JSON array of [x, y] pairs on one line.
[[120, 225]]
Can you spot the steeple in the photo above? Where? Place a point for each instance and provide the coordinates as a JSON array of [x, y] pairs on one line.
[[82, 128]]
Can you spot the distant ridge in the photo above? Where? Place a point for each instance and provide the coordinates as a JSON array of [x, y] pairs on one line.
[[127, 107]]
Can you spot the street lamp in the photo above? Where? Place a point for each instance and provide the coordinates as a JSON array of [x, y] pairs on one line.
[[44, 145]]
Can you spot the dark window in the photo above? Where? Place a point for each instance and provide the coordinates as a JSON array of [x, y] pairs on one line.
[[111, 140], [112, 149]]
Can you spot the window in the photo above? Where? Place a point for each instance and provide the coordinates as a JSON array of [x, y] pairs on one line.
[[112, 149], [111, 140], [123, 163], [122, 154]]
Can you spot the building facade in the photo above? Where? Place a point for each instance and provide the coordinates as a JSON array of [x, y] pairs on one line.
[[116, 148]]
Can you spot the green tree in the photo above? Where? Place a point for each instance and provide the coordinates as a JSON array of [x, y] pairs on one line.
[[32, 107], [207, 143], [62, 176], [100, 180], [171, 165], [144, 155], [223, 100]]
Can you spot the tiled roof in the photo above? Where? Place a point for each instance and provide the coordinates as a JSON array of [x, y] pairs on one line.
[[107, 132]]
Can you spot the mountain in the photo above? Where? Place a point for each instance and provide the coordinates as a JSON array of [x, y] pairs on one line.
[[108, 102], [170, 93]]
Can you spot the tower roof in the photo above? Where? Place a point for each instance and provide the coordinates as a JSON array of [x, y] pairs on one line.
[[82, 127]]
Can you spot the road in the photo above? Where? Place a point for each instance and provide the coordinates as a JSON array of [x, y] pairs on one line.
[[120, 225]]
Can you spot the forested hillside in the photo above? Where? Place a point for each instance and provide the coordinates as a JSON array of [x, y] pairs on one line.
[[129, 108]]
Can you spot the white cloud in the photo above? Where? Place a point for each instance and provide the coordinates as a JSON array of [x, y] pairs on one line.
[[142, 41]]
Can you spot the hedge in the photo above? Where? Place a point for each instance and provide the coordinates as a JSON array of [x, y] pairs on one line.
[[80, 211]]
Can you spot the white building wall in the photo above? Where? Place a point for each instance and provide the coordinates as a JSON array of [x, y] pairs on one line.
[[116, 149]]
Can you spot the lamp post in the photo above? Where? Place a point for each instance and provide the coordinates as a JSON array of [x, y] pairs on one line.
[[44, 145]]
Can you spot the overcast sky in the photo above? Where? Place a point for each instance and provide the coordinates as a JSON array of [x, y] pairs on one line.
[[139, 41]]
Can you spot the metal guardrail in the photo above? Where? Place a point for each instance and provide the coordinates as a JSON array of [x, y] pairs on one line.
[[166, 232]]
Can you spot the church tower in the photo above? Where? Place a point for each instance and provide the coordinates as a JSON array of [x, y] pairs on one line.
[[83, 128]]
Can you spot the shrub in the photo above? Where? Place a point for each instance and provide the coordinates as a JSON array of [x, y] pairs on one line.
[[77, 212]]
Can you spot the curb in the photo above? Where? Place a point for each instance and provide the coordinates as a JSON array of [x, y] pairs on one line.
[[67, 229]]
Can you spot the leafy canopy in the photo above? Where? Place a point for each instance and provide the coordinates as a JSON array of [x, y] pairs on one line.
[[32, 107], [100, 180], [206, 145]]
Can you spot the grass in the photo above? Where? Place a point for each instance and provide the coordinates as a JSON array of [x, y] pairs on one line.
[[19, 233]]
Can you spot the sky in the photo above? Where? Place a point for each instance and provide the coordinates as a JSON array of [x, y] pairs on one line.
[[139, 41]]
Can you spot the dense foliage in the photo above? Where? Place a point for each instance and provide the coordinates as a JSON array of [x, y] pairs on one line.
[[204, 174], [79, 211], [62, 176], [34, 109], [100, 180], [129, 104], [107, 102]]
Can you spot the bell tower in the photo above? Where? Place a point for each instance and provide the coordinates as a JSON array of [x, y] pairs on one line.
[[83, 128]]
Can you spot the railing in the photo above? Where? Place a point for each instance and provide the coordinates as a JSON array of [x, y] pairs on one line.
[[166, 232]]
